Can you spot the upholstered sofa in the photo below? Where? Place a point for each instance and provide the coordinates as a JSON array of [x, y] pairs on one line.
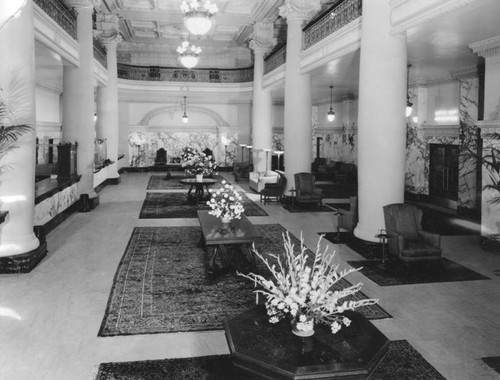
[[257, 180]]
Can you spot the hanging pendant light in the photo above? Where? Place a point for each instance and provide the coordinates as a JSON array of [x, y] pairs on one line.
[[198, 16], [409, 104], [331, 115], [189, 54], [185, 118]]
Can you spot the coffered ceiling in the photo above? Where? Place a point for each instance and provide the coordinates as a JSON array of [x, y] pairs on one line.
[[152, 30]]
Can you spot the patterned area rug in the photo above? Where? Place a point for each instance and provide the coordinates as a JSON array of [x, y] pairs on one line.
[[176, 205], [396, 273], [401, 361], [493, 362], [166, 181], [161, 284], [369, 250], [307, 208]]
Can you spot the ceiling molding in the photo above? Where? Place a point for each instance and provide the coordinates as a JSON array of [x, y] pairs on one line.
[[487, 48], [407, 14]]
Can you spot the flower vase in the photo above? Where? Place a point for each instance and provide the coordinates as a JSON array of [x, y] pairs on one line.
[[306, 328], [226, 221], [199, 177]]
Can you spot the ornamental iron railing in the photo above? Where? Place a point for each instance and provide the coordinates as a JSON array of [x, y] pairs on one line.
[[58, 12], [275, 60], [100, 53], [167, 74], [331, 21]]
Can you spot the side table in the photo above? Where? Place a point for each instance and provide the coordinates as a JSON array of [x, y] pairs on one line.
[[293, 191]]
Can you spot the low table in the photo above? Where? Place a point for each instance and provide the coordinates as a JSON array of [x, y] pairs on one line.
[[263, 350], [198, 186], [218, 240]]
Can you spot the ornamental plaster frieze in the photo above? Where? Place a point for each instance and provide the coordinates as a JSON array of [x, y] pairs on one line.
[[302, 10], [441, 130], [488, 127], [465, 72], [219, 121], [407, 14], [180, 128], [487, 48]]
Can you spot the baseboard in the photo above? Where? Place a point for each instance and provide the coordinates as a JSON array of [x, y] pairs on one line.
[[24, 262], [108, 181], [59, 218]]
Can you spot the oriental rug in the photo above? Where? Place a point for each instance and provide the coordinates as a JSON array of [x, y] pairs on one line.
[[369, 250], [306, 208], [170, 181], [493, 362], [396, 273], [401, 361], [175, 205], [161, 284]]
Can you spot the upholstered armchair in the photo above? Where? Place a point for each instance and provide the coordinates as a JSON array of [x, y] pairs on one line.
[[257, 180], [306, 192], [274, 190], [407, 241]]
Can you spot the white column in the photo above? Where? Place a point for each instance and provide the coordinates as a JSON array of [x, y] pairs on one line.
[[17, 95], [262, 129], [78, 98], [298, 103], [381, 118], [107, 117]]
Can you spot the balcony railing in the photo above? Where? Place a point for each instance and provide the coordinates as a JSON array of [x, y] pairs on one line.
[[275, 60], [331, 21], [334, 19], [100, 54], [165, 74], [58, 12]]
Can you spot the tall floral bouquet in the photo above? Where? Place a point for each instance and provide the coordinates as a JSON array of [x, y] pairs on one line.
[[195, 162], [306, 291], [225, 202]]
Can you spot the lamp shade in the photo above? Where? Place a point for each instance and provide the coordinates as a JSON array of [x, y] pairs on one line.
[[198, 16], [189, 54], [330, 115]]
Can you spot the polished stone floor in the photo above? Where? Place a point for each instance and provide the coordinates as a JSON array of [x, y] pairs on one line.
[[49, 319]]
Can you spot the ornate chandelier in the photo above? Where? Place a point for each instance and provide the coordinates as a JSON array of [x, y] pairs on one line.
[[188, 54], [198, 16], [331, 115]]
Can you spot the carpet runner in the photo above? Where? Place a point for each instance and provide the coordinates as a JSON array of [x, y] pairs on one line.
[[175, 205], [161, 284], [401, 361]]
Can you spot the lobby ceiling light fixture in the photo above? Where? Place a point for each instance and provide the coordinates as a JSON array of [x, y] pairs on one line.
[[185, 118], [198, 16], [331, 115], [189, 54], [409, 104]]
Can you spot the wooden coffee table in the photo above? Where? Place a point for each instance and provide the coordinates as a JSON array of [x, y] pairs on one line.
[[220, 241], [199, 192]]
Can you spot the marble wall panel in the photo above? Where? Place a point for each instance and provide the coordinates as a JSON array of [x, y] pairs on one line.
[[51, 207]]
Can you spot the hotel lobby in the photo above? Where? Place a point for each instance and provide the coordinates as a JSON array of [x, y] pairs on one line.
[[103, 260]]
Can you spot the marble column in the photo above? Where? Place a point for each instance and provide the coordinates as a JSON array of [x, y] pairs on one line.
[[298, 102], [262, 129], [107, 106], [381, 118], [78, 99], [17, 97]]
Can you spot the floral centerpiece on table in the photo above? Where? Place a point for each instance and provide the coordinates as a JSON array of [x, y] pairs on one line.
[[195, 162], [225, 202], [303, 288]]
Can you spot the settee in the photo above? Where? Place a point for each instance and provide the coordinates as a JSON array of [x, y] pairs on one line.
[[326, 170], [257, 180]]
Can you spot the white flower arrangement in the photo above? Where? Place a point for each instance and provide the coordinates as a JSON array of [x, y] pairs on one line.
[[225, 202], [306, 292], [195, 162]]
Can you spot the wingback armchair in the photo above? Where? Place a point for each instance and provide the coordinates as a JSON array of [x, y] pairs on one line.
[[306, 192], [407, 241], [347, 219]]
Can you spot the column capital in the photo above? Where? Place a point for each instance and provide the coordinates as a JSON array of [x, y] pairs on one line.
[[487, 48], [107, 30], [263, 40], [78, 4], [301, 10]]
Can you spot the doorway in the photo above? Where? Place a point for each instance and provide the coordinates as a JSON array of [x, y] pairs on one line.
[[443, 175]]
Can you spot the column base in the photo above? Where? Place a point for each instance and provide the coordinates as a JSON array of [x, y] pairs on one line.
[[24, 262], [87, 204], [365, 235]]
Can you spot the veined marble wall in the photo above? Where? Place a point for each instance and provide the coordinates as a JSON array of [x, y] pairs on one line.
[[338, 145], [53, 206], [490, 208], [418, 148]]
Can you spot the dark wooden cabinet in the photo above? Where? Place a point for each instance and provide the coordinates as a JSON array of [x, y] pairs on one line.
[[66, 160]]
